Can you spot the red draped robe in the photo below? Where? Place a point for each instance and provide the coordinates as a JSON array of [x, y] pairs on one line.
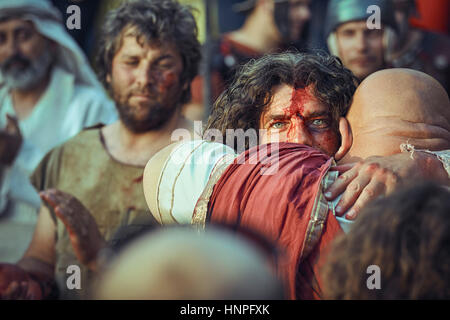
[[287, 207]]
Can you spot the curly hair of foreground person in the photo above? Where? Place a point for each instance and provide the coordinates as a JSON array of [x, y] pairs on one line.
[[407, 235]]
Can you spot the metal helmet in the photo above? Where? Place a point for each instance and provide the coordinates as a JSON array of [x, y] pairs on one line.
[[342, 11]]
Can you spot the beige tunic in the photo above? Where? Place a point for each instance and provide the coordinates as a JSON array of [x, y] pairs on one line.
[[110, 190]]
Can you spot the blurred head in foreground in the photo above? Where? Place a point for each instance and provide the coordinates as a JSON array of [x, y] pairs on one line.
[[183, 263], [406, 235]]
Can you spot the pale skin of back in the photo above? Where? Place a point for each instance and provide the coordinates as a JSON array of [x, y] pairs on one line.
[[398, 106], [392, 107]]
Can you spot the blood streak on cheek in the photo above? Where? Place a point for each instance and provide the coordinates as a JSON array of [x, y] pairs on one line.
[[298, 99], [330, 142], [167, 80]]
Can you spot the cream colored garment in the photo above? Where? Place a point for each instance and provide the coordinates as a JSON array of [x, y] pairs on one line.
[[176, 176]]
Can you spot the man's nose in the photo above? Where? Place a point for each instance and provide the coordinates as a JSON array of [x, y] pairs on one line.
[[361, 42], [10, 48], [299, 133], [145, 76]]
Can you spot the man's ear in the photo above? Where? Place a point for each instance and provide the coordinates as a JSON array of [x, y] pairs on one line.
[[108, 78], [346, 138]]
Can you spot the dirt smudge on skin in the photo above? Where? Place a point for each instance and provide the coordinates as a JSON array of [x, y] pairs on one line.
[[166, 81], [138, 179]]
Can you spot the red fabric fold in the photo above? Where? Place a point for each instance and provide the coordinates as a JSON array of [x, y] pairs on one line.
[[278, 206]]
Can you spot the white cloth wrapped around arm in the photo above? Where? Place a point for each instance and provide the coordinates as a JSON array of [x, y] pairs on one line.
[[443, 156]]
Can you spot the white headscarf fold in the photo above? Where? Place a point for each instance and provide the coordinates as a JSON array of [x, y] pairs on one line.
[[49, 23]]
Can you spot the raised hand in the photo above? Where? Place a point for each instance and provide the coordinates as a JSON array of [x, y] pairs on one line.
[[10, 141], [83, 230]]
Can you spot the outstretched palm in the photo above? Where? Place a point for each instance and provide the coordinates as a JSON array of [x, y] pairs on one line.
[[83, 230]]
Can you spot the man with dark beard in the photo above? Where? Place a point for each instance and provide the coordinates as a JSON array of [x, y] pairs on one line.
[[148, 57]]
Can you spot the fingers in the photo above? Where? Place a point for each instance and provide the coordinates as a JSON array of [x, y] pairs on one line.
[[58, 201], [34, 291], [392, 182], [84, 234], [371, 182], [23, 290], [12, 125], [10, 141], [6, 294], [372, 191], [48, 197], [72, 225], [54, 197], [70, 211], [343, 167], [16, 291], [341, 183], [352, 193]]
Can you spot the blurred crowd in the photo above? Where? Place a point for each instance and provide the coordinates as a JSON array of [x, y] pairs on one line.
[[245, 149]]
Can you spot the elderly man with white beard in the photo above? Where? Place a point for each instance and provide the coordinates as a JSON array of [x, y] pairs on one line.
[[48, 93]]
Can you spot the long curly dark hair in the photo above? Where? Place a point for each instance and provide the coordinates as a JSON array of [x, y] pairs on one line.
[[240, 106], [407, 235], [158, 21]]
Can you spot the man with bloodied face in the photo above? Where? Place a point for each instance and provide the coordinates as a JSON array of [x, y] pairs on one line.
[[149, 54], [302, 98], [300, 101]]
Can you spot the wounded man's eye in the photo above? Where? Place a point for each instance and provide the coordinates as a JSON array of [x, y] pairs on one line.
[[319, 123], [277, 125]]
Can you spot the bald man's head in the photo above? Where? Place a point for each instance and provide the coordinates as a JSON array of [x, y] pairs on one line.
[[396, 106]]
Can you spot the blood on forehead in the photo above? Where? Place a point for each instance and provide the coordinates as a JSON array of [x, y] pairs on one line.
[[298, 99]]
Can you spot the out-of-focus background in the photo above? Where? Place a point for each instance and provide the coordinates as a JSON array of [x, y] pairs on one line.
[[433, 15]]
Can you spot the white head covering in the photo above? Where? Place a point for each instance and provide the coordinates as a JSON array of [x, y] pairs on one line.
[[48, 21], [175, 178]]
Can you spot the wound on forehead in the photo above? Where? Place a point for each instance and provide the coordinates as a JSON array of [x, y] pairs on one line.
[[298, 99]]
